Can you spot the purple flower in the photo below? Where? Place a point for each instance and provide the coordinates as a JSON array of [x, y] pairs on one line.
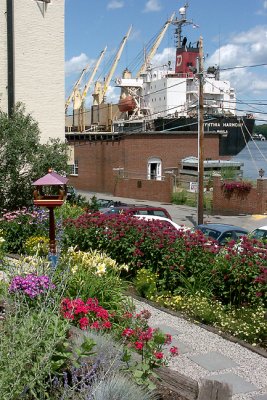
[[31, 285]]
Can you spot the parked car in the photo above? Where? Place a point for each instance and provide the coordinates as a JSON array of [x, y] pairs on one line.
[[259, 233], [222, 233], [166, 222], [106, 203], [136, 210]]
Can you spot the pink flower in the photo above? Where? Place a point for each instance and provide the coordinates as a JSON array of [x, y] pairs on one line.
[[107, 324], [139, 345], [95, 325], [84, 322], [174, 351], [127, 332], [258, 294], [168, 338], [159, 355], [68, 315], [146, 335]]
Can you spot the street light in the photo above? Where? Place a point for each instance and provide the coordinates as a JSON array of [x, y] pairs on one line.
[[261, 172]]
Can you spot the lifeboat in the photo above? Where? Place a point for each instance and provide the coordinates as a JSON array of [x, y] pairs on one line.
[[127, 104]]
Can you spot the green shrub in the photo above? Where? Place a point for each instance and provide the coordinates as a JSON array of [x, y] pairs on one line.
[[37, 245], [93, 274], [120, 387], [146, 283], [18, 226], [247, 323], [32, 347], [180, 197]]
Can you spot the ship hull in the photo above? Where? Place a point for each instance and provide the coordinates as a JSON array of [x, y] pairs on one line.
[[234, 132]]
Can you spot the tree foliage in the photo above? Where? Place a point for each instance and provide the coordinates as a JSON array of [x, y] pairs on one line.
[[261, 129], [24, 159]]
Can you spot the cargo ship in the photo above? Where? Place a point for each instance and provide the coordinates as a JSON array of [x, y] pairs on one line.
[[165, 99]]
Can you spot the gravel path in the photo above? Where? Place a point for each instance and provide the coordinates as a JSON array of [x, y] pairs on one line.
[[204, 354]]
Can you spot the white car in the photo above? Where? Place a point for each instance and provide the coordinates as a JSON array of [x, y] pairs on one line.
[[166, 222], [259, 233]]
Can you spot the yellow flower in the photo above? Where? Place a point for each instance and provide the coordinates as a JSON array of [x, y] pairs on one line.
[[101, 269], [74, 269]]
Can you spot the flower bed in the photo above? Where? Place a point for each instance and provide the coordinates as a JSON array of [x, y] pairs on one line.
[[240, 188]]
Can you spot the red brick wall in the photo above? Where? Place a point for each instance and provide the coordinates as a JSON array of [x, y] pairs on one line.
[[255, 202], [145, 189], [97, 159]]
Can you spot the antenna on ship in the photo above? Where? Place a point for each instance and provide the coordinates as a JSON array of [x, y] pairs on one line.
[[179, 23]]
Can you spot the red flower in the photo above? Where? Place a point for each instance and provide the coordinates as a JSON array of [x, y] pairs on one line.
[[84, 322], [68, 315], [159, 355], [107, 324], [127, 315], [95, 325], [127, 332], [174, 351], [139, 345], [146, 335], [102, 313], [168, 339]]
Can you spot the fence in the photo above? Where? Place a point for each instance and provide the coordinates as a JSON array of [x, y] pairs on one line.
[[252, 202]]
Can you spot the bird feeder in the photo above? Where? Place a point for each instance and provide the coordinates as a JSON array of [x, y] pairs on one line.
[[50, 191]]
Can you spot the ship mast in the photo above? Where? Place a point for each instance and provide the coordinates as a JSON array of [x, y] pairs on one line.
[[179, 23]]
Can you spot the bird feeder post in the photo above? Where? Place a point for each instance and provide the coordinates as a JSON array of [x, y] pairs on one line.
[[50, 191]]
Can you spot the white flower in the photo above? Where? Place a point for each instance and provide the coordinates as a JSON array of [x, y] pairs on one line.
[[101, 269], [3, 277]]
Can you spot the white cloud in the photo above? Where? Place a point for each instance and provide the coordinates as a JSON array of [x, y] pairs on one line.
[[244, 49], [152, 5], [76, 64], [113, 4], [265, 4], [167, 54]]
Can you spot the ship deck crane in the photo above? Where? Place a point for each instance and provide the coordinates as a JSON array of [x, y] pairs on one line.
[[80, 99], [75, 88], [101, 88], [155, 46]]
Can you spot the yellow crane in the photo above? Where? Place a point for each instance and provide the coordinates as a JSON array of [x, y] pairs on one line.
[[90, 80], [155, 46], [101, 88], [75, 88], [79, 97]]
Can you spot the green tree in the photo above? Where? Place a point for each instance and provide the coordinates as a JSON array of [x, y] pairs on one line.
[[24, 159]]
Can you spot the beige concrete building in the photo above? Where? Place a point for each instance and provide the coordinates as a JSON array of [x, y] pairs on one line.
[[32, 61]]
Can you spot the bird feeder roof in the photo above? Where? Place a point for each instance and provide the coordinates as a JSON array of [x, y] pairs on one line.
[[50, 179]]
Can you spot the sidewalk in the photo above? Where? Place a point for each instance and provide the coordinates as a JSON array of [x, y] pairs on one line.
[[206, 355], [185, 215]]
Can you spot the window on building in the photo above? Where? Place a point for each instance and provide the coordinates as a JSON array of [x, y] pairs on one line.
[[75, 168], [154, 169]]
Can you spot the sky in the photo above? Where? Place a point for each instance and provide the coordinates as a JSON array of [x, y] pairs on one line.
[[234, 35]]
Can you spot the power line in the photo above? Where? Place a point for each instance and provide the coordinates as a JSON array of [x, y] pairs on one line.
[[244, 66]]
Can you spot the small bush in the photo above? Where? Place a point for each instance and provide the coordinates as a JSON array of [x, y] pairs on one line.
[[37, 245], [146, 283]]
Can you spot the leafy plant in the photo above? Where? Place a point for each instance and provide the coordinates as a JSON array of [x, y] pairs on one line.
[[19, 225], [38, 245], [180, 197], [120, 387], [24, 159], [33, 348], [146, 283], [239, 188], [93, 274]]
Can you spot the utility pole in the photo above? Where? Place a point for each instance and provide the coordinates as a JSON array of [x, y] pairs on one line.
[[200, 203]]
